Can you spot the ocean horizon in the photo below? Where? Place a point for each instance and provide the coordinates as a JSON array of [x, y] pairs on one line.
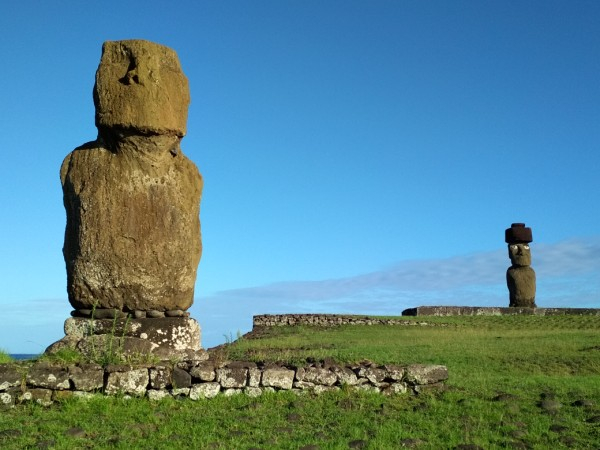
[[22, 356]]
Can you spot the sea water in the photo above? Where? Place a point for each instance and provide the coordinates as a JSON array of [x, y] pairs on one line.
[[21, 356]]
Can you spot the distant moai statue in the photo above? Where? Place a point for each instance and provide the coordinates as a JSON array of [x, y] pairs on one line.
[[520, 277], [132, 198]]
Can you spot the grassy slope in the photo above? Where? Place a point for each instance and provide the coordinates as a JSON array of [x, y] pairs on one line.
[[540, 365]]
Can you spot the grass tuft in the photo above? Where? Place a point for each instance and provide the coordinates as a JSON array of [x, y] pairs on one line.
[[5, 357]]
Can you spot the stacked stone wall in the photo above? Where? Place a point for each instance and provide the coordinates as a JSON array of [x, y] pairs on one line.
[[326, 320], [332, 320], [45, 383], [497, 311]]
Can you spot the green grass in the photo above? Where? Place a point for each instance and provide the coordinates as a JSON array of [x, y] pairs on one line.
[[513, 383], [4, 357]]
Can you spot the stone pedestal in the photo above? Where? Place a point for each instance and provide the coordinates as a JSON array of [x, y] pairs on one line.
[[165, 338]]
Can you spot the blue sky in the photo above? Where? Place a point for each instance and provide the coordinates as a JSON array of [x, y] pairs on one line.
[[358, 156]]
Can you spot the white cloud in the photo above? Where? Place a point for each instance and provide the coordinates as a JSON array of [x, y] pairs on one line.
[[572, 257], [565, 259], [568, 274]]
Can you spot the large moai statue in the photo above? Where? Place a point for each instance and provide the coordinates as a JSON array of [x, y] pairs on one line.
[[520, 277], [132, 241], [132, 198]]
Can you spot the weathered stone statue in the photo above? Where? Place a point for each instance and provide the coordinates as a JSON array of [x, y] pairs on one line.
[[520, 277], [132, 240]]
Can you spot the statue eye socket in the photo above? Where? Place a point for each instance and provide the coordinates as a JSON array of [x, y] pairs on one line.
[[513, 247], [526, 247]]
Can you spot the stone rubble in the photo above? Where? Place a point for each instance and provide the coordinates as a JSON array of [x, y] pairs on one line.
[[44, 383]]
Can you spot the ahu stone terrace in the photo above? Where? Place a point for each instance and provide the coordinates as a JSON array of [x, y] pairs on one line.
[[44, 383]]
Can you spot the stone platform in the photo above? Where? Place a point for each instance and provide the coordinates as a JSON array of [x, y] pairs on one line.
[[496, 311], [166, 338]]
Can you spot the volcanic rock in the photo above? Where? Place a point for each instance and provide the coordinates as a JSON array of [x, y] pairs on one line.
[[132, 240]]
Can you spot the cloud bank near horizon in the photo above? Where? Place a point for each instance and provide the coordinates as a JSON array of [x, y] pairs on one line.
[[568, 275], [477, 272]]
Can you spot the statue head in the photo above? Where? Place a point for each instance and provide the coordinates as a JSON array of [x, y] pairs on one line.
[[141, 89], [519, 254], [518, 237]]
